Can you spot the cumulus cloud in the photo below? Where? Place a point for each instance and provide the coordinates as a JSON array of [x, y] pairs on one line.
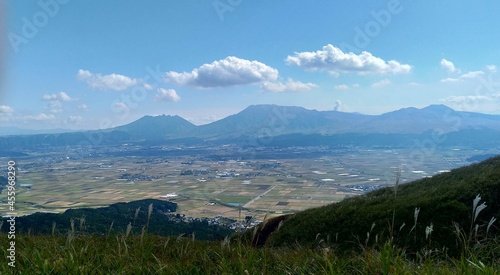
[[74, 119], [491, 68], [448, 66], [449, 80], [54, 101], [167, 95], [61, 96], [39, 117], [381, 83], [341, 87], [334, 60], [54, 106], [230, 71], [466, 99], [289, 86], [469, 75], [4, 109], [120, 106], [479, 103], [472, 74], [82, 107], [113, 81]]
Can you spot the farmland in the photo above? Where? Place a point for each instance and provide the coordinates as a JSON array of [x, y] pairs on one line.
[[207, 181]]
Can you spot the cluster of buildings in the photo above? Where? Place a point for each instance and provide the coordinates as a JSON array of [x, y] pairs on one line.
[[219, 220]]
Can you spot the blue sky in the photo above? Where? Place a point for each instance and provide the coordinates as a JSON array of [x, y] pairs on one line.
[[96, 64]]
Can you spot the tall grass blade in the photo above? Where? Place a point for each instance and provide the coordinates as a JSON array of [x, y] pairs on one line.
[[490, 223]]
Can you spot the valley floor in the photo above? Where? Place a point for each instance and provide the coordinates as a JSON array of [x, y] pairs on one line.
[[211, 181]]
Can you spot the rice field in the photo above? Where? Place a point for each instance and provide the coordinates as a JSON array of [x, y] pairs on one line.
[[232, 187]]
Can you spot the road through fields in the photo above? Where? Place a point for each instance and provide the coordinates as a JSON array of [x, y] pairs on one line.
[[259, 196]]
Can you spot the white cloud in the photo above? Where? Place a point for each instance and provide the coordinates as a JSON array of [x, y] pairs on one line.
[[473, 74], [54, 107], [341, 87], [4, 109], [449, 66], [7, 114], [167, 95], [381, 83], [64, 97], [55, 104], [478, 103], [449, 79], [82, 107], [334, 60], [289, 86], [230, 71], [74, 119], [115, 82], [121, 106], [61, 96], [466, 99], [39, 117], [84, 74], [54, 101], [491, 68], [469, 75]]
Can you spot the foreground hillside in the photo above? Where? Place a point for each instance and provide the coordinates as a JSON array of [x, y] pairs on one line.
[[434, 213], [120, 254]]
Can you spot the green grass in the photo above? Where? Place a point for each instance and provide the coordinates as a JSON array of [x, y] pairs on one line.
[[149, 254]]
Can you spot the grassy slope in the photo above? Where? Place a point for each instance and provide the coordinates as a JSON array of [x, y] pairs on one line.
[[171, 255], [443, 199]]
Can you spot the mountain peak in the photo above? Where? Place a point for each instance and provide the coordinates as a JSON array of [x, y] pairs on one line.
[[157, 126], [435, 109], [267, 107], [438, 108]]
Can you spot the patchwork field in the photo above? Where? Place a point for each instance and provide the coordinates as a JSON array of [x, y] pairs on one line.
[[230, 186]]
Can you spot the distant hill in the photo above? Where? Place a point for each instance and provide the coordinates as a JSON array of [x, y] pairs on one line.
[[15, 131], [156, 127], [442, 200], [280, 122], [268, 120], [115, 218], [433, 117]]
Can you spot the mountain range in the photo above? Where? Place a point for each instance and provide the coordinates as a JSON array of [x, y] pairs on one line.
[[286, 122], [278, 120]]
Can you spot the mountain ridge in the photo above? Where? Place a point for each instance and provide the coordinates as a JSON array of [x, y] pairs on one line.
[[294, 119], [269, 120]]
